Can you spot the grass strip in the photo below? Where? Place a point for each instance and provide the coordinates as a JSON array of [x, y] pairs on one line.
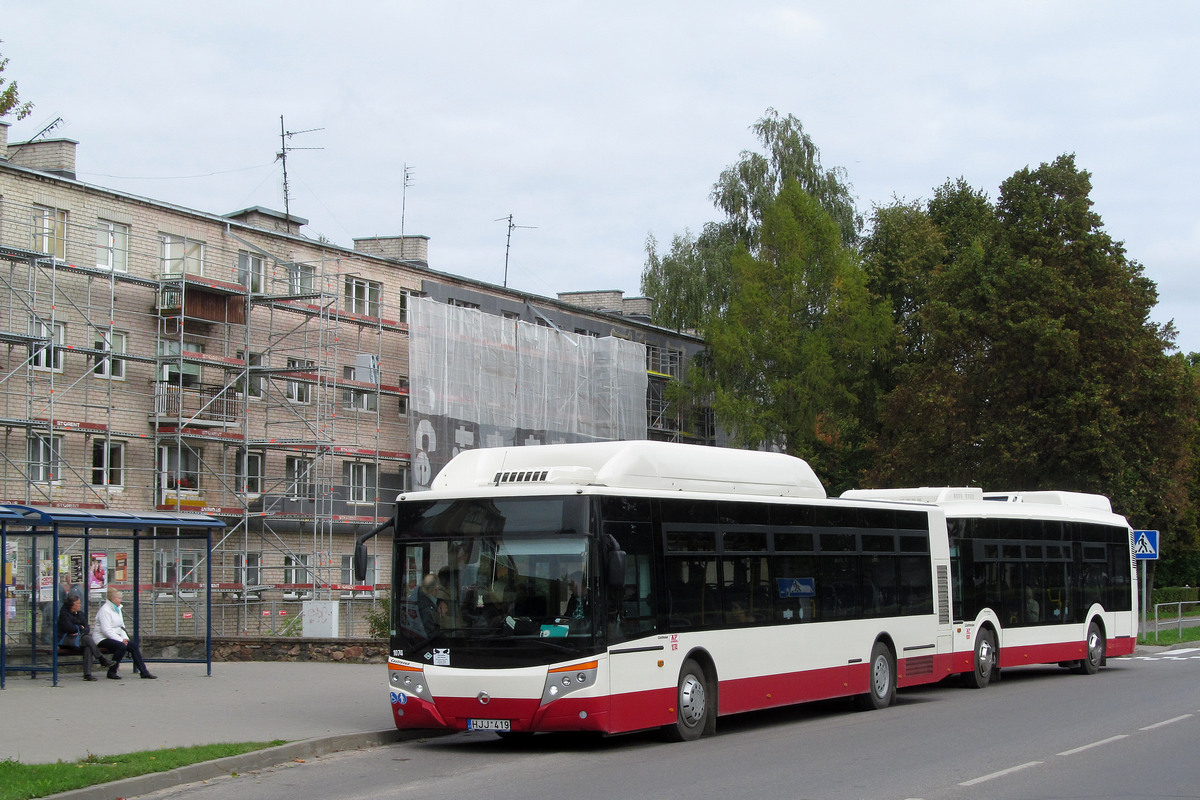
[[23, 781], [1169, 636]]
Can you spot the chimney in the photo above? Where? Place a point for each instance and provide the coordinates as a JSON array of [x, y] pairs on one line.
[[4, 140], [411, 247], [56, 156]]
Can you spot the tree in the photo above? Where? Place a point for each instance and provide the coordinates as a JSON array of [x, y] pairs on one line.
[[1031, 361], [790, 356], [690, 282], [10, 101]]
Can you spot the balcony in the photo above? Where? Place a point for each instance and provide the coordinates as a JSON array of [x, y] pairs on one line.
[[205, 406]]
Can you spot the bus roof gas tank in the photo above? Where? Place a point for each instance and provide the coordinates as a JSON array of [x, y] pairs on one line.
[[635, 465]]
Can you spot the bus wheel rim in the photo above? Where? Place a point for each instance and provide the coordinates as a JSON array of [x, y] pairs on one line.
[[691, 701], [881, 676]]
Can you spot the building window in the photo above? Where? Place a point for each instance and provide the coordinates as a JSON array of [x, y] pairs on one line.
[[173, 567], [50, 231], [249, 384], [298, 391], [250, 271], [174, 369], [45, 458], [359, 477], [298, 471], [108, 463], [47, 354], [347, 576], [358, 399], [181, 255], [300, 278], [462, 303], [178, 468], [112, 246], [511, 315], [249, 569], [110, 366], [248, 471], [295, 569], [362, 296]]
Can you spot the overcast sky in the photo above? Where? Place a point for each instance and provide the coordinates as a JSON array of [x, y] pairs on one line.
[[601, 123]]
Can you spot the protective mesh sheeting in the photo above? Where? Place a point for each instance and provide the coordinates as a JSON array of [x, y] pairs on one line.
[[478, 380]]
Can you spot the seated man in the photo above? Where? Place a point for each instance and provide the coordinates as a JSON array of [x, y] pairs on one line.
[[74, 634], [110, 625]]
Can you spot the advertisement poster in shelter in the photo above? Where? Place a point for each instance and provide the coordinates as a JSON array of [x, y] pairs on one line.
[[98, 571]]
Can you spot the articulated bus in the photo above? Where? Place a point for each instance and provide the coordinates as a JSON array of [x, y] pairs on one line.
[[626, 586]]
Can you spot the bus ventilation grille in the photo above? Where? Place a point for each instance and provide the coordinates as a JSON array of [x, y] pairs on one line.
[[524, 476], [921, 665]]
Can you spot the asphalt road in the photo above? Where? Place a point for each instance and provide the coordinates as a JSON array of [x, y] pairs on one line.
[[1129, 731]]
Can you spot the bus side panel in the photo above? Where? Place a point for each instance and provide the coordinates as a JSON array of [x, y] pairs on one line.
[[1020, 655], [635, 711], [1120, 646], [752, 694]]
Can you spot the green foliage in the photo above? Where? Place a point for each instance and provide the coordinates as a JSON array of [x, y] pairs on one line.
[[790, 356], [1175, 594], [1178, 567], [379, 620], [1029, 357], [691, 279], [23, 781], [10, 101]]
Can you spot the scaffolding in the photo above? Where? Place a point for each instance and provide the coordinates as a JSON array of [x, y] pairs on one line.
[[224, 372]]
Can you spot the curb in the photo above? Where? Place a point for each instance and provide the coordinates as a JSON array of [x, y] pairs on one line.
[[246, 762]]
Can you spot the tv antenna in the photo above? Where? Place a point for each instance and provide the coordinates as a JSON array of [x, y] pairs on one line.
[[284, 149], [508, 242], [403, 201]]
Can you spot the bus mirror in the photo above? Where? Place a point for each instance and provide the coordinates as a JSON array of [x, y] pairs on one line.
[[360, 562], [616, 568]]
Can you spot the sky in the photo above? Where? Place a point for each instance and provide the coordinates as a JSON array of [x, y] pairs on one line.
[[596, 125]]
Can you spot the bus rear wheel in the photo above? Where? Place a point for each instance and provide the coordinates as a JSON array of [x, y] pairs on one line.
[[882, 684], [1090, 664], [985, 660], [691, 705]]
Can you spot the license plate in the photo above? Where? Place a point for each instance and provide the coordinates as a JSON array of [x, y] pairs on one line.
[[489, 725]]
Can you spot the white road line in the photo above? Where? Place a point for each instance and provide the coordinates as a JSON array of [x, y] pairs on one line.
[[1094, 744], [1164, 722], [1000, 774]]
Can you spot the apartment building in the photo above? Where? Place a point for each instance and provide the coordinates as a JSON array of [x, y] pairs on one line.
[[159, 357]]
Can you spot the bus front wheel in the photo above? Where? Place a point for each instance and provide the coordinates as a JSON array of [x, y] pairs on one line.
[[882, 689], [1091, 662], [985, 660], [691, 705]]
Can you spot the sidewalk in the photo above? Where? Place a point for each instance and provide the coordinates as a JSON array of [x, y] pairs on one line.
[[240, 702]]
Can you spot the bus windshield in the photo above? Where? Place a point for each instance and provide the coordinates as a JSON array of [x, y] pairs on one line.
[[493, 577]]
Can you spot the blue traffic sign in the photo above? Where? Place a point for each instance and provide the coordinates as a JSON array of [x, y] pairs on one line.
[[1145, 544]]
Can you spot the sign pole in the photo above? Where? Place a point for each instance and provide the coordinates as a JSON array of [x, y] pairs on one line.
[[1142, 579]]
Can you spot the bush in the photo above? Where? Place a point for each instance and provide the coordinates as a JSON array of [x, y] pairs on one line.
[[1175, 594], [379, 620]]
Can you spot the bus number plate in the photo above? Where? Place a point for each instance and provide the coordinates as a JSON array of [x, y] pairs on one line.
[[489, 725]]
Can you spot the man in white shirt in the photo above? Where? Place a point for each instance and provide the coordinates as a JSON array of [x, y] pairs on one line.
[[110, 627]]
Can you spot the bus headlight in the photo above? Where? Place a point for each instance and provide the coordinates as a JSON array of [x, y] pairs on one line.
[[562, 681]]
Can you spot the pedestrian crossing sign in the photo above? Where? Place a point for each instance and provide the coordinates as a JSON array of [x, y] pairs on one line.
[[1145, 544]]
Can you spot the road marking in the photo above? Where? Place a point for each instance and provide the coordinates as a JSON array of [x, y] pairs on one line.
[[1164, 722], [1001, 773], [1094, 744]]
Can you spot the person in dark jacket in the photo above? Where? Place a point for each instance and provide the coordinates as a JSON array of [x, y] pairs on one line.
[[73, 622]]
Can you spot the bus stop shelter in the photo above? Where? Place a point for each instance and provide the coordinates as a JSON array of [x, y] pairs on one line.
[[59, 547]]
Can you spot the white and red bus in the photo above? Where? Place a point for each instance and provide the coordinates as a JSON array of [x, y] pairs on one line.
[[626, 586], [1038, 577]]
